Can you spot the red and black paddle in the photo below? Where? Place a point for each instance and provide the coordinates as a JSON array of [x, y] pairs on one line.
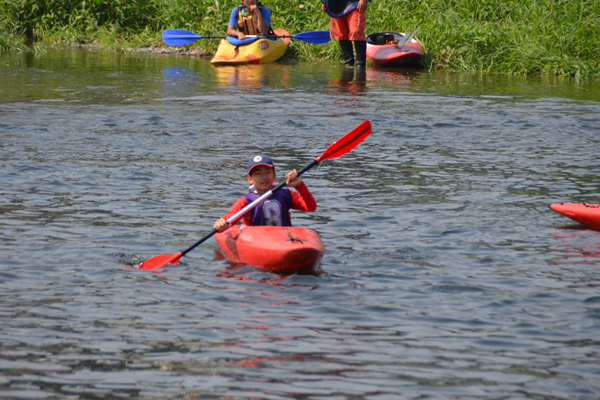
[[335, 150]]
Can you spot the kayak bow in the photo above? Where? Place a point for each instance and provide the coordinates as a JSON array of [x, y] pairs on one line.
[[586, 214], [276, 249]]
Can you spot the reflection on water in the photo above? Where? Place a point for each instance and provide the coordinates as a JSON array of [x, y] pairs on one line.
[[445, 274], [392, 76], [179, 81], [86, 75], [252, 76], [577, 245], [351, 82]]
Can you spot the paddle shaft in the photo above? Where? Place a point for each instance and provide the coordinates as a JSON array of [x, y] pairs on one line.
[[247, 208], [180, 37], [249, 36]]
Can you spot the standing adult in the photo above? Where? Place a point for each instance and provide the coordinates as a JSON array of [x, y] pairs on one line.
[[347, 25]]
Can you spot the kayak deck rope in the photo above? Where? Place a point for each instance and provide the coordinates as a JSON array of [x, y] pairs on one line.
[[293, 239]]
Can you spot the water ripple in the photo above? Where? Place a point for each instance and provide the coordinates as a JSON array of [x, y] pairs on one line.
[[446, 274]]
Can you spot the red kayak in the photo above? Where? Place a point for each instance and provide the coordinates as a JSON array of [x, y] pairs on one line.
[[586, 214], [280, 250], [392, 49]]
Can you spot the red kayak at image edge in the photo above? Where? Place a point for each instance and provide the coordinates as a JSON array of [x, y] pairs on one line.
[[586, 214], [279, 250]]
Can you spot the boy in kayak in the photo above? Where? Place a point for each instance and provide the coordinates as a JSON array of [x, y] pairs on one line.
[[274, 210], [347, 24], [249, 18]]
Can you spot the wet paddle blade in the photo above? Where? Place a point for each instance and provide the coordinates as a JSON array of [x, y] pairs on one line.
[[314, 37], [179, 37], [347, 142], [157, 262]]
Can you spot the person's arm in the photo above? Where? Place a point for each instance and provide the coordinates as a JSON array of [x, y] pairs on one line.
[[263, 20], [362, 5], [303, 199], [222, 223], [231, 31], [232, 26]]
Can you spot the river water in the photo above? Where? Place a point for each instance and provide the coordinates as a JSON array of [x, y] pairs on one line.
[[446, 273]]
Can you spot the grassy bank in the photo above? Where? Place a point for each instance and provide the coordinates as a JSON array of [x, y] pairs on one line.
[[523, 37]]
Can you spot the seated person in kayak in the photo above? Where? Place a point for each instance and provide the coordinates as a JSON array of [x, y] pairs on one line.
[[274, 210], [249, 18]]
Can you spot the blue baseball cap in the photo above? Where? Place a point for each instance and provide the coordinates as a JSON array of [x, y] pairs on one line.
[[260, 159]]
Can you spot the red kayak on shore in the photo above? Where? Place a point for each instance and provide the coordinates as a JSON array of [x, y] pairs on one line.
[[586, 214], [393, 49], [279, 250]]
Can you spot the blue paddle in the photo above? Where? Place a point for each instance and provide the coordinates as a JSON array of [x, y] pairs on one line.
[[179, 37]]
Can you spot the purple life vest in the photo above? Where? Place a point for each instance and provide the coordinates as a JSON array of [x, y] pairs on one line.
[[338, 8], [273, 211]]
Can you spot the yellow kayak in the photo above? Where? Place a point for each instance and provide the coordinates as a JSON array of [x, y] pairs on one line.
[[260, 51]]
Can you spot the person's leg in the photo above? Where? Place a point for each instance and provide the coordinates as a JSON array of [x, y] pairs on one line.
[[340, 31], [356, 33], [361, 53], [347, 52], [356, 24]]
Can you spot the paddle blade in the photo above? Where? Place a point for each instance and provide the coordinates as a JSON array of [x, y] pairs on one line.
[[157, 262], [347, 142], [406, 38], [179, 37], [315, 37]]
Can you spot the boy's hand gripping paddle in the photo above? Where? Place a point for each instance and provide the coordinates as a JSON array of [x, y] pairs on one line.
[[335, 150]]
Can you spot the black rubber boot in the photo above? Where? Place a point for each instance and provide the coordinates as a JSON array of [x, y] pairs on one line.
[[361, 53], [347, 52], [347, 75], [360, 74]]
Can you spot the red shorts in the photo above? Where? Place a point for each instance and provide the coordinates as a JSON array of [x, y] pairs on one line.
[[349, 27]]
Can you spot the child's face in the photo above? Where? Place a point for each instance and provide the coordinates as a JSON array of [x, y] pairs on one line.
[[248, 3], [262, 178]]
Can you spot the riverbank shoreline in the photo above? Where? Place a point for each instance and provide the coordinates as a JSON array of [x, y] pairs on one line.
[[180, 51], [527, 38]]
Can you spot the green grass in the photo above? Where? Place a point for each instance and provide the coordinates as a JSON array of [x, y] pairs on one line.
[[520, 37]]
